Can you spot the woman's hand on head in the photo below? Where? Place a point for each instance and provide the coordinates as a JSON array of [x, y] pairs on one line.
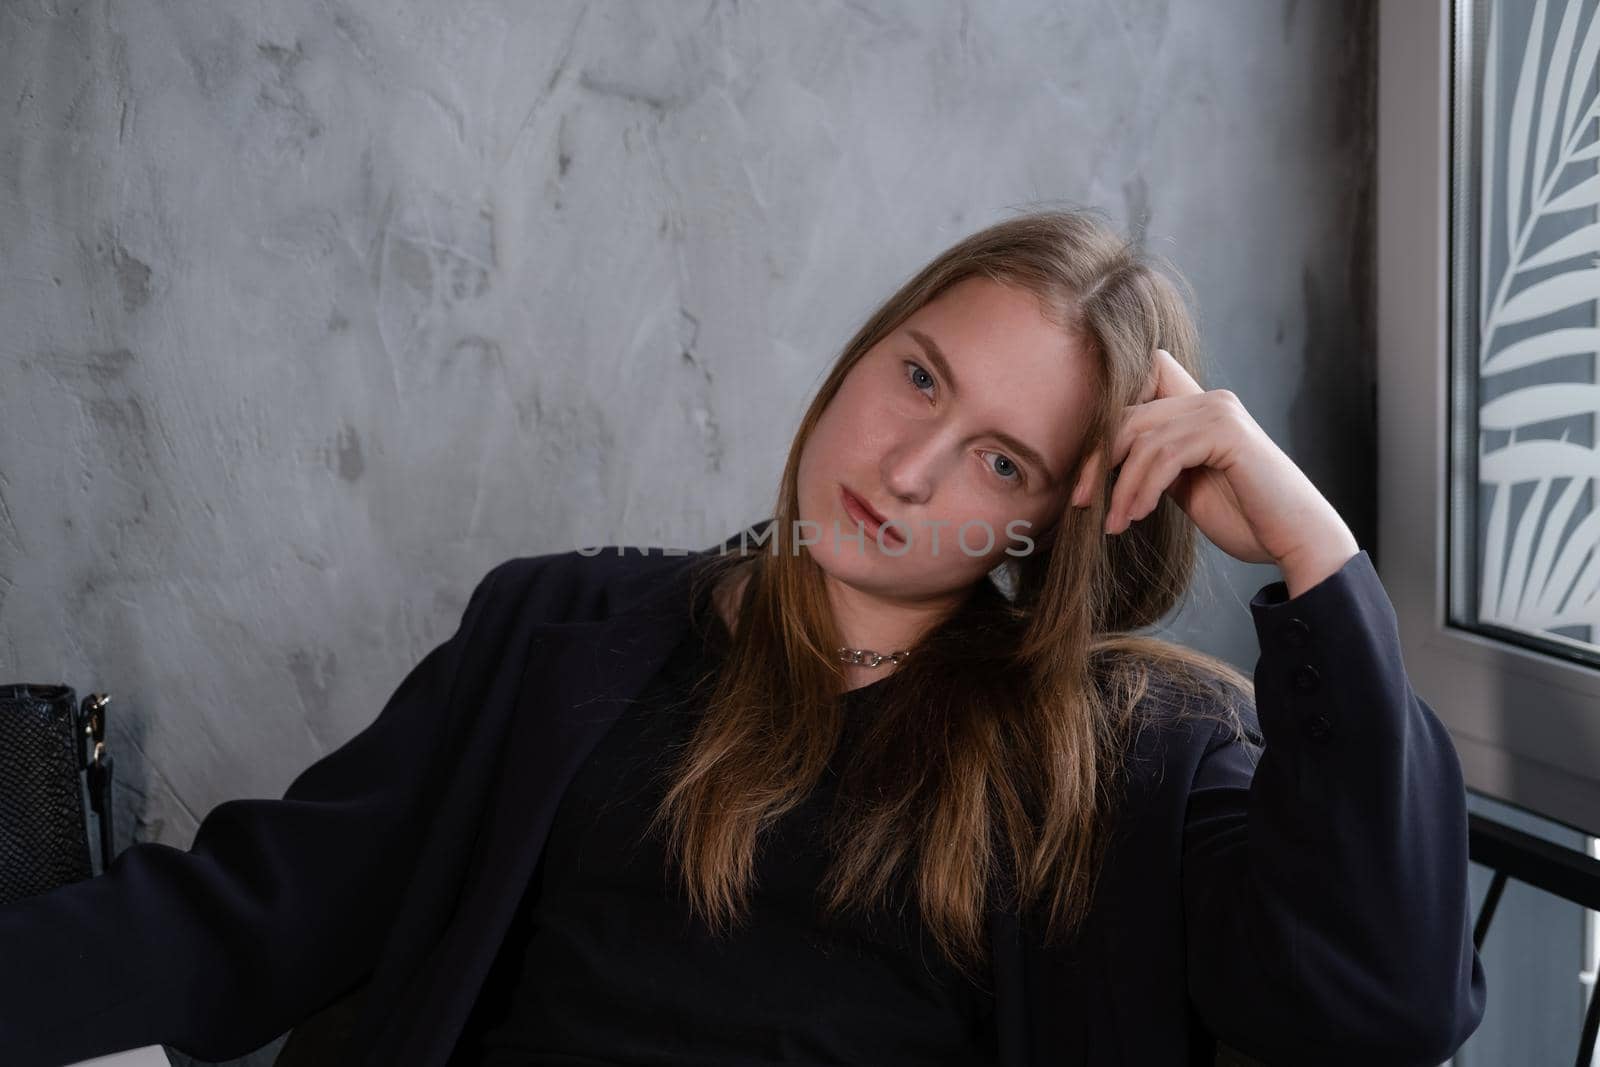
[[1204, 449]]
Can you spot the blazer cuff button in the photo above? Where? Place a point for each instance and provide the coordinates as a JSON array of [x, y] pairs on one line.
[[1296, 634], [1306, 679]]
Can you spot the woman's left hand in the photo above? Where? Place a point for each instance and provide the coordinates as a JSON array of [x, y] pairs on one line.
[[1204, 449]]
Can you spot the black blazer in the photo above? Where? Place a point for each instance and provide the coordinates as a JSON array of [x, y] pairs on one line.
[[1310, 909]]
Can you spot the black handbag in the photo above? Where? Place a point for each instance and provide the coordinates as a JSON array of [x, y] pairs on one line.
[[45, 743]]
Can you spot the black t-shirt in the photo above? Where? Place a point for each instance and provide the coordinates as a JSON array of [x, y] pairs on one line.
[[605, 965]]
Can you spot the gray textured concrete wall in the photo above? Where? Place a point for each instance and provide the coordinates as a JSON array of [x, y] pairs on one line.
[[310, 312]]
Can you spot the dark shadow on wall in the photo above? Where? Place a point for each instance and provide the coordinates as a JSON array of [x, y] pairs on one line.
[[1333, 417]]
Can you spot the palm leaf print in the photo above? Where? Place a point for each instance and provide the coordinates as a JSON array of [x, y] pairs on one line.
[[1541, 569]]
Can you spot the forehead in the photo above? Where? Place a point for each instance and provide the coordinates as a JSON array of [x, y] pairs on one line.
[[998, 327]]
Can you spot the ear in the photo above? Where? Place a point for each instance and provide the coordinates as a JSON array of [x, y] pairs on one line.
[[1087, 477]]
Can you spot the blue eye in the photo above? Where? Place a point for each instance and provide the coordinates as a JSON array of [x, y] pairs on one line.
[[1016, 472], [912, 370]]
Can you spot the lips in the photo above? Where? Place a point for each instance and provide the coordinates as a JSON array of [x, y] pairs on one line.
[[868, 516]]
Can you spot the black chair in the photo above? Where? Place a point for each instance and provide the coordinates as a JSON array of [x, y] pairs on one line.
[[321, 1040]]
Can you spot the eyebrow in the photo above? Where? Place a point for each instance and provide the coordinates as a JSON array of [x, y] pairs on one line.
[[936, 356]]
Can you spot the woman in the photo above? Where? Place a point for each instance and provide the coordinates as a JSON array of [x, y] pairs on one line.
[[919, 795]]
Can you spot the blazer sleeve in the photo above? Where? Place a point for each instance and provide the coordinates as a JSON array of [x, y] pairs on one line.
[[1325, 873], [276, 909]]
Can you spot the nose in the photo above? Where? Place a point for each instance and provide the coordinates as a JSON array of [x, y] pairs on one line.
[[913, 467]]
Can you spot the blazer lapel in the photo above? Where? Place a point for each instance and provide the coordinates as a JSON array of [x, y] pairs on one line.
[[578, 679]]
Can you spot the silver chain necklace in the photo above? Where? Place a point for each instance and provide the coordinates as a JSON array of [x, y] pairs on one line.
[[865, 657]]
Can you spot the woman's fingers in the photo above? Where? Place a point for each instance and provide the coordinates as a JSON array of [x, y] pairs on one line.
[[1170, 377], [1160, 373], [1190, 431], [1152, 465], [1167, 379], [1155, 420]]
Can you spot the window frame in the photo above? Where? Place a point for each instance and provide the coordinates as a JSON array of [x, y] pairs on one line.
[[1525, 723]]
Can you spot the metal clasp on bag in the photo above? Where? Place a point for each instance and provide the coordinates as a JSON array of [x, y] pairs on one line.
[[98, 763], [92, 731]]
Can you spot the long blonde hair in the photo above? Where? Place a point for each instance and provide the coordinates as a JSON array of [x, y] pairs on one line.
[[993, 757]]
